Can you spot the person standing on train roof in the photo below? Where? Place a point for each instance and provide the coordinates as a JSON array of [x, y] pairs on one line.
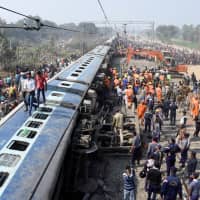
[[29, 85], [41, 84]]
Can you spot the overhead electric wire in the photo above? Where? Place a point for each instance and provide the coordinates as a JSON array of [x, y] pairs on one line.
[[16, 27], [29, 17], [38, 22], [104, 13]]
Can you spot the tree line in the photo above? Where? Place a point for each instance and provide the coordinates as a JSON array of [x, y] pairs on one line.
[[189, 33], [19, 46]]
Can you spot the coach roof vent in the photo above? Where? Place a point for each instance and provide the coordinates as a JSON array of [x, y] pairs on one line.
[[34, 124], [75, 74], [79, 71], [18, 145], [26, 133], [3, 177], [45, 109], [65, 84], [41, 116], [9, 160]]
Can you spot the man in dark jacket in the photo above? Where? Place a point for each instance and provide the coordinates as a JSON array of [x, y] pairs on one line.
[[173, 108], [197, 125], [154, 182], [171, 186]]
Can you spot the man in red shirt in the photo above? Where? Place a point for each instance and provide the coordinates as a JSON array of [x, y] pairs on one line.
[[40, 86]]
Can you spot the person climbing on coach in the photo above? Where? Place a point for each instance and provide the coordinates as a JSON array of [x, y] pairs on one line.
[[41, 85]]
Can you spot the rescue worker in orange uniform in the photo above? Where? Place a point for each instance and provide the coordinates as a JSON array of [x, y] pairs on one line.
[[195, 108], [141, 110], [159, 93]]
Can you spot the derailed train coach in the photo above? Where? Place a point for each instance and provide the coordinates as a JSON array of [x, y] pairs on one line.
[[32, 149]]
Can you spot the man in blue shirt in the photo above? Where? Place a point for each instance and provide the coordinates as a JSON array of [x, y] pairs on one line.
[[194, 187], [129, 183], [171, 186]]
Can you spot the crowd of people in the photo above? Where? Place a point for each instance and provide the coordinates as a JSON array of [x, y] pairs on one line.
[[156, 100], [13, 89], [181, 55]]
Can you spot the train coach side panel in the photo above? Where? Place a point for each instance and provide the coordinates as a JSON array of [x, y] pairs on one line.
[[33, 167]]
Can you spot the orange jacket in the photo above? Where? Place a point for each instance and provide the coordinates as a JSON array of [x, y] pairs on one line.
[[141, 110], [195, 109]]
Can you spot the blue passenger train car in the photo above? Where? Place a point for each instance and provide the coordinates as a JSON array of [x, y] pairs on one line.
[[32, 148]]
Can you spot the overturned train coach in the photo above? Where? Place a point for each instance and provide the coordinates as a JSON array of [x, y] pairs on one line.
[[32, 149]]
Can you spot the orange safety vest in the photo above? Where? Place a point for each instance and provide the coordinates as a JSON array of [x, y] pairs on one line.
[[195, 110], [141, 110]]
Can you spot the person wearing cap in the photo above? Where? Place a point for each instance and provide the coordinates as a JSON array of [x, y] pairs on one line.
[[29, 85], [171, 186], [194, 187]]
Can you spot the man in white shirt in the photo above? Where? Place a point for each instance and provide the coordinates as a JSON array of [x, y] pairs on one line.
[[22, 89], [29, 85]]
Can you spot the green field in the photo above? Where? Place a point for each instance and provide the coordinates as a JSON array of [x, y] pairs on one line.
[[184, 43]]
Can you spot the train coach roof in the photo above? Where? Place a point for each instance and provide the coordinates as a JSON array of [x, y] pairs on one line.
[[67, 86], [101, 50], [39, 155], [83, 72]]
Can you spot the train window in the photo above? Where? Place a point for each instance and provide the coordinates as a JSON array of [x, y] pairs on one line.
[[56, 94], [81, 67], [78, 71], [33, 124], [18, 145], [3, 177], [74, 74], [45, 109], [40, 116], [8, 160], [84, 64], [26, 133]]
